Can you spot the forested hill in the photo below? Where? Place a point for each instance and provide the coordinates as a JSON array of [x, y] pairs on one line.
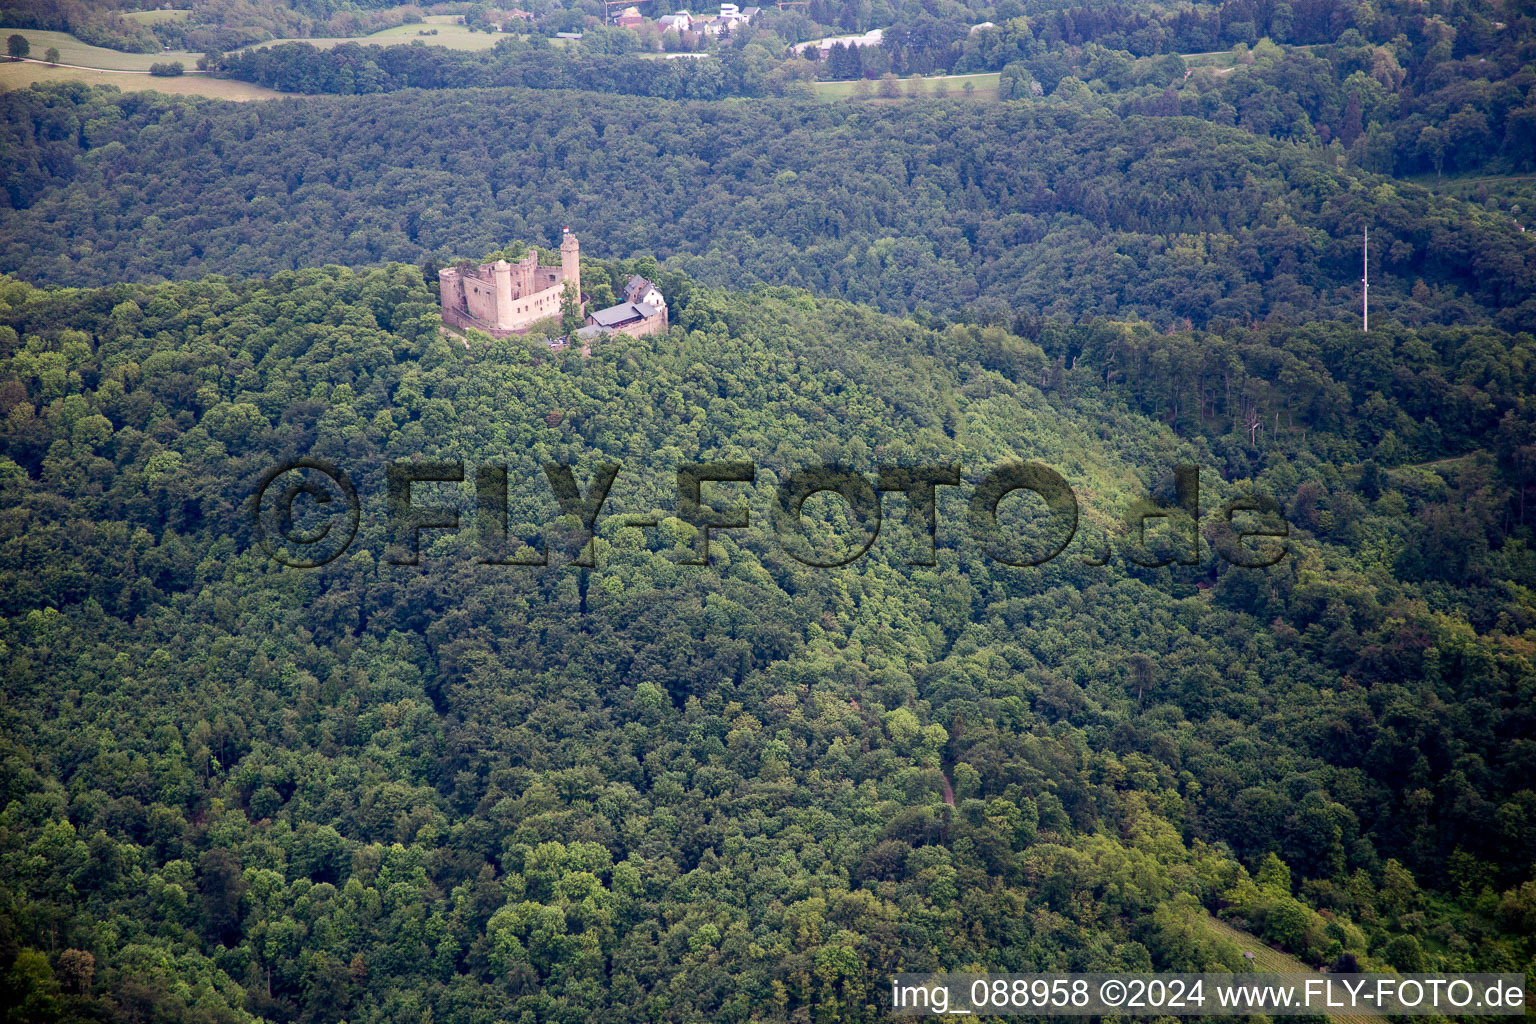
[[938, 205], [651, 791]]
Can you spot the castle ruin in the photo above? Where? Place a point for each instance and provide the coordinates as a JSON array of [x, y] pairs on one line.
[[504, 298]]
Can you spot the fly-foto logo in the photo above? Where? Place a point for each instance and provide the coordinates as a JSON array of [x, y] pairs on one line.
[[305, 513]]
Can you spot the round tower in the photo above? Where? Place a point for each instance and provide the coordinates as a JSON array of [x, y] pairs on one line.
[[570, 261], [501, 277]]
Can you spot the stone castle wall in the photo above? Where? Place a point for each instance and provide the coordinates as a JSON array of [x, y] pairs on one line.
[[504, 298]]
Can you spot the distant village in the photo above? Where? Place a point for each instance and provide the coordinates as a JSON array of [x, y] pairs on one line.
[[692, 28]]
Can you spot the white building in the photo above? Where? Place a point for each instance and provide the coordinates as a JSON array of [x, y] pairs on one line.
[[871, 38], [729, 17]]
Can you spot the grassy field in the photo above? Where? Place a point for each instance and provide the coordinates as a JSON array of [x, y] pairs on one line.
[[100, 66], [1214, 59], [986, 87], [17, 76], [1267, 960], [1226, 60], [455, 37], [156, 17], [73, 51]]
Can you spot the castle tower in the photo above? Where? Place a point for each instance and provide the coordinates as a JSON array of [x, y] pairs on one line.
[[570, 261], [501, 274], [525, 275]]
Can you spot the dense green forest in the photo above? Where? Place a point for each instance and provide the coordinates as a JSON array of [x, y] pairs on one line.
[[220, 25], [94, 23], [993, 210], [353, 68], [1459, 116], [426, 782], [653, 791], [1412, 95]]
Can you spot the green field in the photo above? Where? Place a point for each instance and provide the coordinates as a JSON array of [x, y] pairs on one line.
[[21, 75], [455, 37], [73, 51], [986, 87], [1214, 59], [156, 17], [1226, 60], [96, 64]]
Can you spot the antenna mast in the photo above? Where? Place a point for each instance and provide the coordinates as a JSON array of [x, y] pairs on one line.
[[1365, 281]]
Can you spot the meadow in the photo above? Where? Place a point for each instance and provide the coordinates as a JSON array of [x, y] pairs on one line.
[[73, 51], [156, 17], [986, 87], [455, 37], [20, 75], [97, 65]]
